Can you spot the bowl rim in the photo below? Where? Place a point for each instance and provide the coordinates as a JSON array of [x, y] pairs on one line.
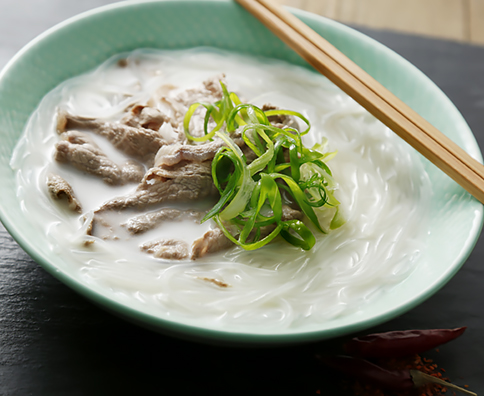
[[228, 336]]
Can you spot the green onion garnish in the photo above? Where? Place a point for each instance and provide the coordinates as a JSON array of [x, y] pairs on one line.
[[250, 209]]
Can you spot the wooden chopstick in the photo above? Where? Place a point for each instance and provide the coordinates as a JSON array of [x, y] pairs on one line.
[[370, 94]]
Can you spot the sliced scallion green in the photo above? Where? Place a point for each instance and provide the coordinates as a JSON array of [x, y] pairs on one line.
[[252, 195]]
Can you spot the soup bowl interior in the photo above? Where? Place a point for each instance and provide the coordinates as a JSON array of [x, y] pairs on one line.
[[83, 42]]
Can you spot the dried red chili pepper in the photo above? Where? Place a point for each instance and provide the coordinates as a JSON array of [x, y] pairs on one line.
[[400, 343], [394, 380], [369, 372]]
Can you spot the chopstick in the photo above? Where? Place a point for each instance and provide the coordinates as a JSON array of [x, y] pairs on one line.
[[370, 94]]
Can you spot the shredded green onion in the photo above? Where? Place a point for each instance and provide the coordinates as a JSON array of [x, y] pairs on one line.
[[250, 208]]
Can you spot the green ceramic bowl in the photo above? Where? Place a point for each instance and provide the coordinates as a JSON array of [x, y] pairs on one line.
[[83, 42]]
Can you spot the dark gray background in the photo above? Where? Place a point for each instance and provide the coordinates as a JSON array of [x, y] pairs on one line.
[[53, 342]]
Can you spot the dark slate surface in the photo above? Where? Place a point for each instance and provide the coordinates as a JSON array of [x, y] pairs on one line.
[[53, 342]]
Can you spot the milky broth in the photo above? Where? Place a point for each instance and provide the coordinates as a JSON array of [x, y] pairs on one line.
[[383, 189]]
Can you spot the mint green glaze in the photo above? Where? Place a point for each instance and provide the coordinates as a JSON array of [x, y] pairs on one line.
[[83, 42]]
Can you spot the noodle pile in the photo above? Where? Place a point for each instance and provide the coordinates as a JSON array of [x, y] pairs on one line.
[[383, 189]]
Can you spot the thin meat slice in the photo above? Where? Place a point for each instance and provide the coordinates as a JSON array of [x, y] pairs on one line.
[[132, 171], [215, 240], [138, 142], [83, 153], [210, 91], [60, 189], [148, 221], [184, 182], [212, 241], [145, 117], [174, 153], [169, 249], [86, 156]]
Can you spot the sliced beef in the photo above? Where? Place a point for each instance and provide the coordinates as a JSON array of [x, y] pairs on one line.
[[148, 221], [102, 228], [184, 182], [86, 156], [169, 249], [138, 142], [76, 137], [132, 171], [145, 117], [212, 241], [60, 189], [174, 153], [209, 91], [83, 153], [215, 240]]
